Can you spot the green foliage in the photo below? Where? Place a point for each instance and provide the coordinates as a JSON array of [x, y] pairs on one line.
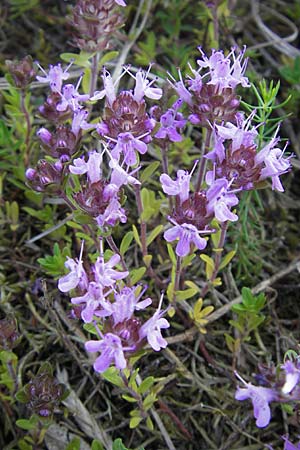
[[249, 315], [265, 103], [150, 204], [19, 7], [55, 264], [8, 365], [248, 236], [118, 445], [291, 74]]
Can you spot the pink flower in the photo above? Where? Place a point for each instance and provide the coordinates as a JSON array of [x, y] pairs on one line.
[[77, 275], [152, 329], [111, 350], [186, 235], [260, 397]]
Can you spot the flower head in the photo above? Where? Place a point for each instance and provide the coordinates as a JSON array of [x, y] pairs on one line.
[[186, 234], [152, 329], [111, 350], [92, 167], [260, 397], [54, 77], [292, 376], [77, 275]]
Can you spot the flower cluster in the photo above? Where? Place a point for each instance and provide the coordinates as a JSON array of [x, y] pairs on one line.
[[110, 305], [210, 91], [193, 212], [126, 126], [237, 162], [284, 387], [64, 104], [94, 22]]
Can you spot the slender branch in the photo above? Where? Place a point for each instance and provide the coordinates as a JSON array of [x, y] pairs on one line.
[[94, 73], [28, 126], [142, 222], [202, 165], [177, 276], [217, 260], [134, 36]]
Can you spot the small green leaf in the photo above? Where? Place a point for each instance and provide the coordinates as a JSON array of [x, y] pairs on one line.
[[90, 328], [154, 233], [112, 375], [147, 260], [210, 265], [149, 401], [188, 293], [149, 170], [226, 260], [81, 59], [146, 385], [171, 254], [22, 396], [149, 424], [137, 274], [136, 235], [23, 445], [74, 444], [126, 241], [96, 445], [118, 445], [134, 422], [26, 424], [107, 57], [129, 399]]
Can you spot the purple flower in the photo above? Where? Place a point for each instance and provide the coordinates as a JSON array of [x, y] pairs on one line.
[[187, 234], [125, 304], [260, 397], [222, 71], [111, 350], [92, 167], [71, 98], [44, 135], [77, 275], [169, 122], [275, 163], [55, 77], [120, 2], [112, 213], [239, 134], [292, 375], [79, 122], [288, 445], [127, 144], [180, 88], [109, 89], [220, 200], [179, 187], [93, 299], [143, 87], [105, 275], [152, 329]]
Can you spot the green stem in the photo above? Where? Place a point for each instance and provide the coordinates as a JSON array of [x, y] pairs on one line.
[[28, 127], [142, 222], [94, 73], [202, 165], [217, 259]]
